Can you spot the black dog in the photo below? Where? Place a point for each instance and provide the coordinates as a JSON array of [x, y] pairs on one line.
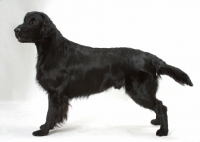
[[67, 70]]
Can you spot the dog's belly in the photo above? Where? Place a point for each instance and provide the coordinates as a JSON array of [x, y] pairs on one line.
[[93, 82]]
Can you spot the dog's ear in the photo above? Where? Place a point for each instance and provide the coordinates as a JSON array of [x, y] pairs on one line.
[[48, 27]]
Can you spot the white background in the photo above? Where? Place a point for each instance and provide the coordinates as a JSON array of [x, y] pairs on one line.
[[169, 29]]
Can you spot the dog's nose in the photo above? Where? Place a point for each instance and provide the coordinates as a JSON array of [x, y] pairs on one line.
[[17, 29]]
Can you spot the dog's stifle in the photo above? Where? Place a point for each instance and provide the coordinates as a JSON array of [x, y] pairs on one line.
[[67, 70]]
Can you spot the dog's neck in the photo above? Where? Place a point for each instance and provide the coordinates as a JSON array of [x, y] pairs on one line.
[[50, 42]]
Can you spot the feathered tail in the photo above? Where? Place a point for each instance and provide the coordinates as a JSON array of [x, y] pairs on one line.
[[177, 74], [164, 69]]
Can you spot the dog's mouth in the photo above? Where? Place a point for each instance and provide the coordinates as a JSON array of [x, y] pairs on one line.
[[23, 40], [19, 38]]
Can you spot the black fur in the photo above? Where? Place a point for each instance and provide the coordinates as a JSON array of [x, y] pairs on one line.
[[68, 70]]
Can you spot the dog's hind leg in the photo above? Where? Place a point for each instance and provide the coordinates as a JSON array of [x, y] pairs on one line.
[[161, 114], [142, 90]]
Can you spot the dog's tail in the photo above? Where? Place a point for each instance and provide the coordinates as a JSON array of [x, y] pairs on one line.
[[177, 74], [164, 69]]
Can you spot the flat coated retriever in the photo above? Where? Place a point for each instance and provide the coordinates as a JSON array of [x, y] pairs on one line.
[[68, 70]]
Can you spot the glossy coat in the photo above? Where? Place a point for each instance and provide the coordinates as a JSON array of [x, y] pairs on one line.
[[68, 70]]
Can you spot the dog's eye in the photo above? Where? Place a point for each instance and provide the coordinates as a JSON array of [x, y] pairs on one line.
[[32, 23]]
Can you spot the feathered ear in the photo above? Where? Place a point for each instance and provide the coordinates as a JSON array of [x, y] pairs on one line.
[[47, 27]]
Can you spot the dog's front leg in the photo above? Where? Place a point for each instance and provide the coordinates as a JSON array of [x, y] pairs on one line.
[[50, 120]]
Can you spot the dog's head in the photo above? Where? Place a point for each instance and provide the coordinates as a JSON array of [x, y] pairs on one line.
[[36, 27]]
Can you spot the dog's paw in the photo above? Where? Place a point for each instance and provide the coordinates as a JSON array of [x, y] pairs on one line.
[[42, 127], [40, 133], [155, 122], [162, 132]]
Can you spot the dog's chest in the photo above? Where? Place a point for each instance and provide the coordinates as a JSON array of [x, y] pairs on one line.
[[52, 80], [45, 78], [50, 76]]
